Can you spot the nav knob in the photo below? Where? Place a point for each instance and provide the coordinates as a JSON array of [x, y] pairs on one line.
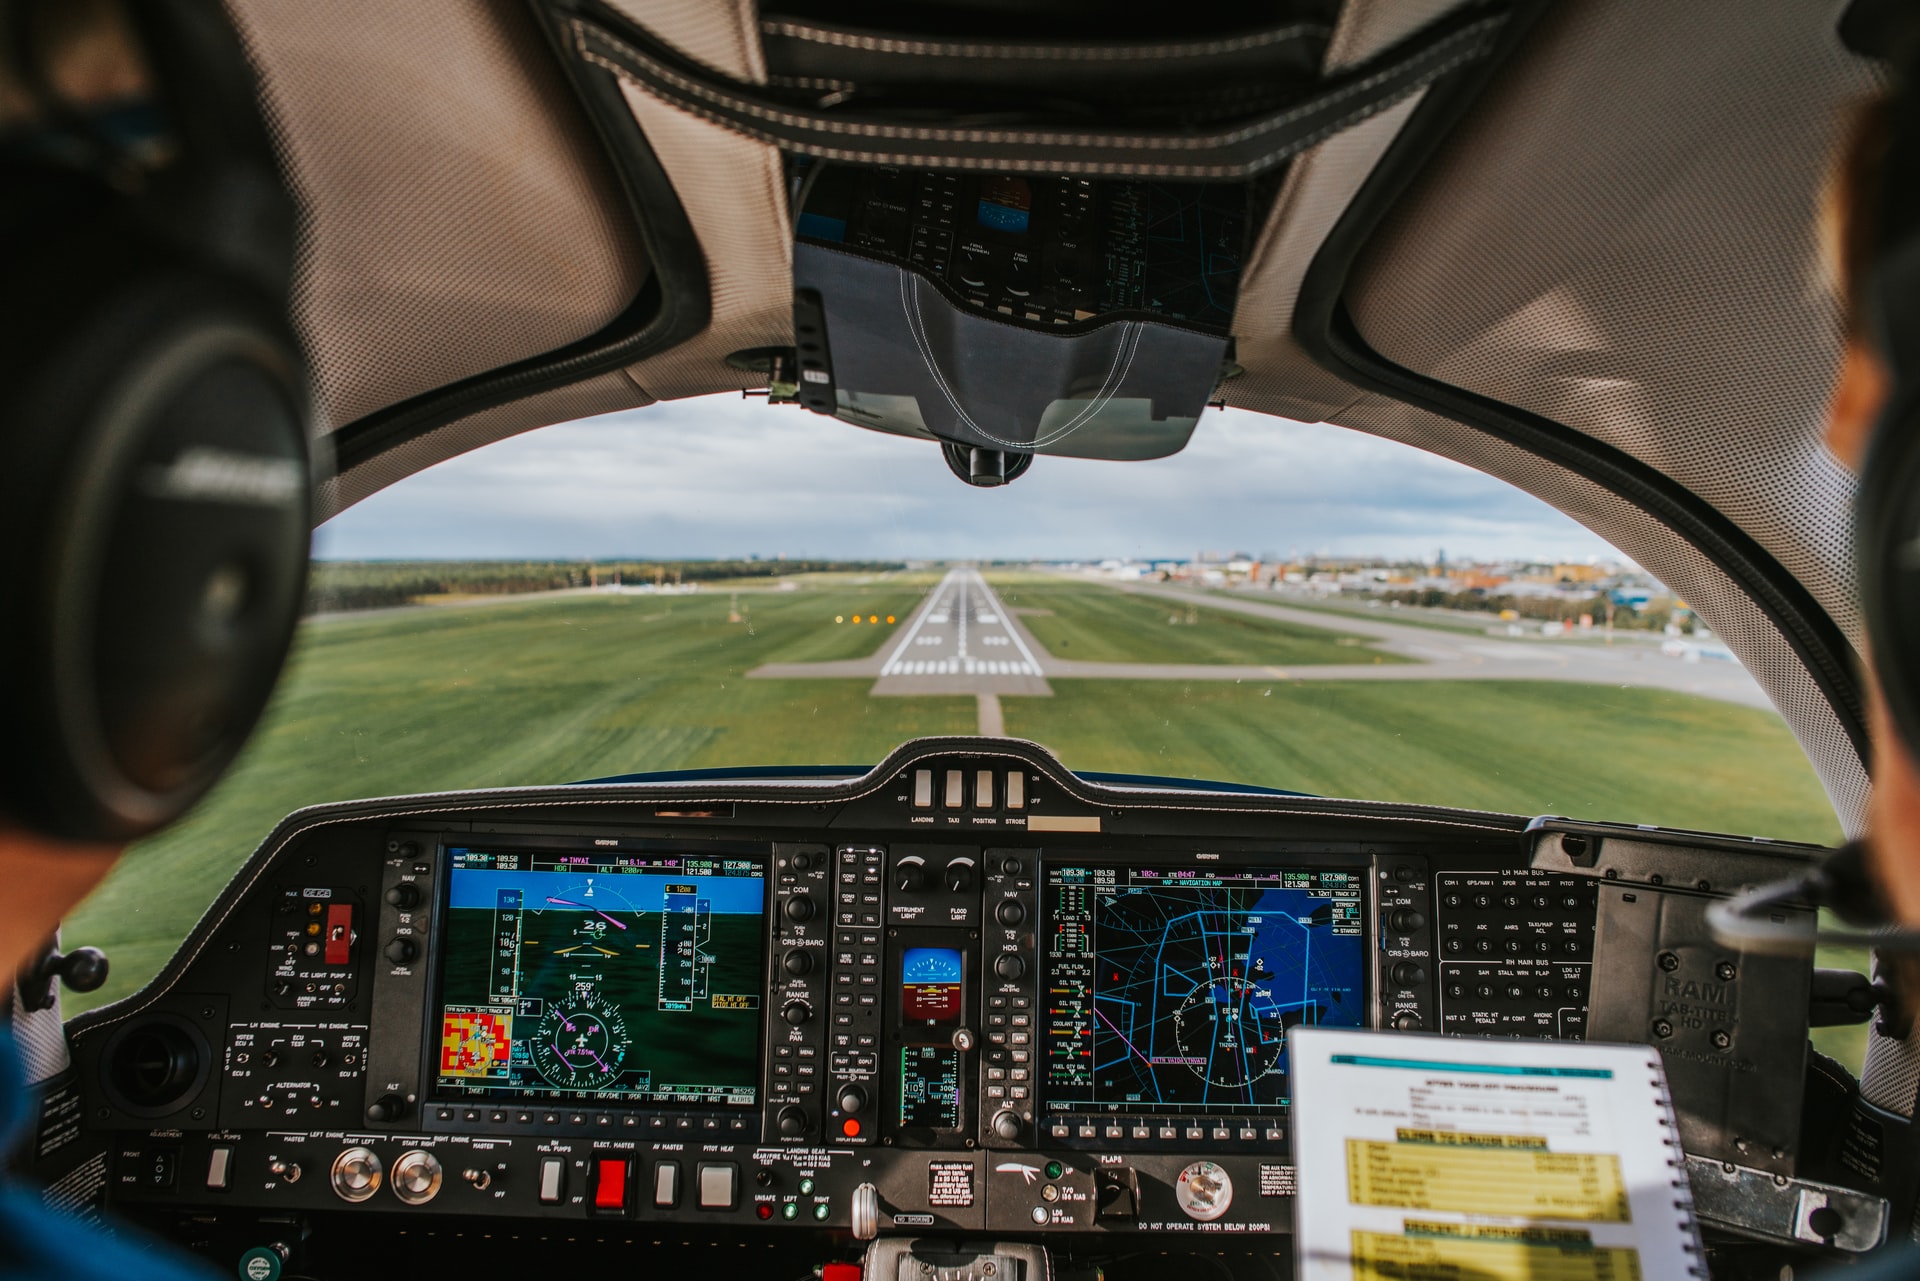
[[793, 1121], [1010, 912], [1007, 1124], [405, 896], [800, 908], [796, 1012], [388, 1107], [864, 1210], [1009, 965], [852, 1099], [416, 1177]]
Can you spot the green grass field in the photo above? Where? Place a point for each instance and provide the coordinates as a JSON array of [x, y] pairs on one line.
[[1096, 624]]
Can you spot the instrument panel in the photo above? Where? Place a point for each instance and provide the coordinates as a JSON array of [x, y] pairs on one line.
[[965, 993]]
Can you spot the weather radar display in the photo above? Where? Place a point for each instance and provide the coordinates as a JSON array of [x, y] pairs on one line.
[[628, 977], [1172, 989]]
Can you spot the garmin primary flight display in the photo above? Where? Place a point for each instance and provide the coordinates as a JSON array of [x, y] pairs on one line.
[[1170, 989], [629, 977]]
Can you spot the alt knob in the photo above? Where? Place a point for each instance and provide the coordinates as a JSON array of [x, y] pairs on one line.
[[405, 896], [798, 963], [1010, 912], [910, 876], [1404, 920], [416, 1177], [1009, 965], [388, 1107], [800, 908], [793, 1122], [796, 1012], [1007, 1124], [355, 1174], [852, 1099], [401, 951]]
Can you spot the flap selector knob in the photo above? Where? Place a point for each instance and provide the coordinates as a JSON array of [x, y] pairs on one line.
[[796, 1012], [1010, 965], [1010, 912], [356, 1174], [1404, 920], [852, 1099], [910, 875], [800, 907], [405, 896], [402, 950], [417, 1176], [793, 1121], [1007, 1124]]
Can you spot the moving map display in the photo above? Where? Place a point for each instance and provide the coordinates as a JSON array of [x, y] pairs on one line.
[[612, 977], [1171, 989]]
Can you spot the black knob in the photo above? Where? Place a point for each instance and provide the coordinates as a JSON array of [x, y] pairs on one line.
[[798, 963], [910, 876], [400, 951], [802, 861], [800, 908], [1405, 920], [792, 1122], [1012, 867], [1406, 1021], [388, 1107], [1007, 1124], [852, 1099], [320, 1058], [1009, 965], [1409, 974], [271, 1058], [959, 878], [1406, 874], [796, 1012], [1010, 912], [405, 896]]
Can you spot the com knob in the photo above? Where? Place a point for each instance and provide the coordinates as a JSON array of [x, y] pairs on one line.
[[792, 1121], [355, 1175], [417, 1176], [1007, 1124], [1010, 912], [796, 1012], [1010, 965], [388, 1107], [798, 963], [1404, 920], [800, 908], [852, 1099], [405, 896], [402, 950]]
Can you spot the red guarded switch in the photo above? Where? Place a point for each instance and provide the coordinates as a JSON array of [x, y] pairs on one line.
[[840, 1272], [610, 1187], [339, 932]]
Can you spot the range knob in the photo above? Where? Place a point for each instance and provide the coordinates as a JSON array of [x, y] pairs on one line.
[[1404, 920], [793, 1121], [910, 875], [796, 1012], [405, 896], [800, 908], [852, 1099], [416, 1177], [388, 1107], [1406, 1021], [1007, 1124], [356, 1174], [1010, 965], [401, 951], [1010, 912], [798, 963]]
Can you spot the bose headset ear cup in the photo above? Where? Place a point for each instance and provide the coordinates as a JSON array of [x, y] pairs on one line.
[[1888, 515], [158, 515]]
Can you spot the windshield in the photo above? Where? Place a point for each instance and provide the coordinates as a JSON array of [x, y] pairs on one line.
[[719, 583]]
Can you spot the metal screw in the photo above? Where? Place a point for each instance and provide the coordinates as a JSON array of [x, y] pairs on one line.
[[1702, 884], [1721, 1040], [1662, 1028], [1724, 971], [1669, 962]]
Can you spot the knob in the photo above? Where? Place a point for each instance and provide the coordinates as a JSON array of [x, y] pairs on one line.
[[1406, 1021], [802, 861], [401, 951], [285, 1171], [800, 908], [798, 963], [1404, 920], [963, 1039], [864, 1211], [1007, 1124], [270, 1058], [481, 1179], [793, 1121], [796, 1012], [416, 1177], [320, 1058], [852, 1099], [356, 1174], [1409, 974], [1010, 965], [388, 1107], [405, 896], [959, 877], [1010, 912], [910, 876]]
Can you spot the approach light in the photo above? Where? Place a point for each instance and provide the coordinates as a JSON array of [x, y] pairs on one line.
[[839, 618], [873, 618], [889, 618]]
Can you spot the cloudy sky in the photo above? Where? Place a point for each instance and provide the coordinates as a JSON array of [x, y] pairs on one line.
[[724, 477]]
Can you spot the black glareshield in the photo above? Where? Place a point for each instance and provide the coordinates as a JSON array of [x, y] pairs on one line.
[[154, 472]]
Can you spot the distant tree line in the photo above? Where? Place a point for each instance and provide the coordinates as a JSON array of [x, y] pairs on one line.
[[335, 586], [1544, 608]]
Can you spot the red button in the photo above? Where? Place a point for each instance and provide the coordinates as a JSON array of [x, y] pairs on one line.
[[339, 932], [850, 1127], [610, 1189]]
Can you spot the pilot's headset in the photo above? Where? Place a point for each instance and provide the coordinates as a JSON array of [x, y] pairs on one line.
[[154, 473]]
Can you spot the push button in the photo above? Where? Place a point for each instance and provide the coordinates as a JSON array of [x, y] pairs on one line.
[[717, 1186], [610, 1184]]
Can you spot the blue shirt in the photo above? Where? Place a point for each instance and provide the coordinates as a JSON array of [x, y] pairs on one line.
[[39, 1244]]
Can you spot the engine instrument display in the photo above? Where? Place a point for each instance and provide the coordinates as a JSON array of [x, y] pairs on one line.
[[1171, 989], [628, 977]]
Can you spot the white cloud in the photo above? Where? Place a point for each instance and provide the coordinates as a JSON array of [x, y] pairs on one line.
[[721, 476]]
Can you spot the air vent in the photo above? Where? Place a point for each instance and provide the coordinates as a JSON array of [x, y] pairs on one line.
[[155, 1066]]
